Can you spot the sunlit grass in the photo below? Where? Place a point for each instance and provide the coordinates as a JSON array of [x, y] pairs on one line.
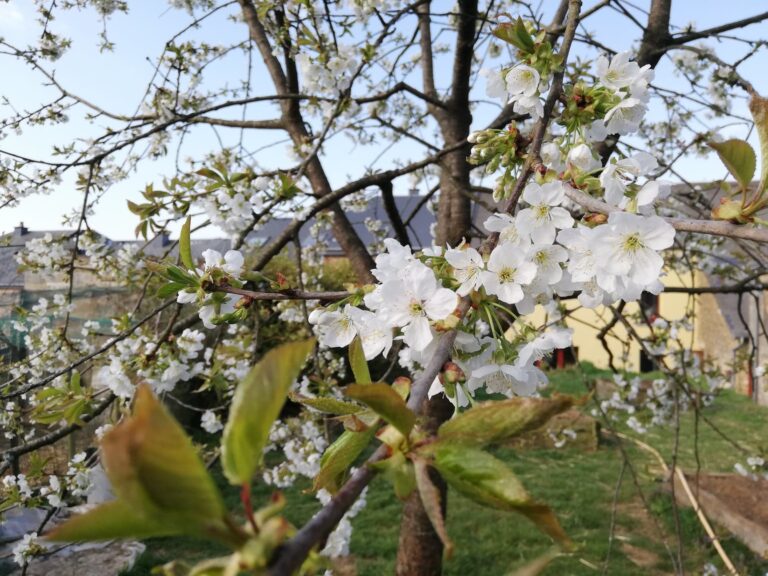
[[579, 485]]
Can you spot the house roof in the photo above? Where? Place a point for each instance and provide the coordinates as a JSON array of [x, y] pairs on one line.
[[413, 210]]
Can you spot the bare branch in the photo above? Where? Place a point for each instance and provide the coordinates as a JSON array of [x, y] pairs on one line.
[[714, 31], [401, 233], [285, 294]]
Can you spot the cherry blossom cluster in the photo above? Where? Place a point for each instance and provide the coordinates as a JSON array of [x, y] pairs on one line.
[[232, 209], [214, 306], [644, 403], [171, 363], [37, 489]]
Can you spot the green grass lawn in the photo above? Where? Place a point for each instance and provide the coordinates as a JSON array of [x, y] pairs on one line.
[[579, 485]]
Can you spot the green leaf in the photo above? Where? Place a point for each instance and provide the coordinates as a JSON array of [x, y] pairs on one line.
[[758, 106], [400, 473], [161, 484], [516, 34], [176, 274], [137, 209], [497, 421], [74, 383], [430, 498], [153, 465], [358, 362], [488, 481], [185, 245], [327, 404], [115, 519], [255, 407], [170, 289], [386, 403], [730, 210], [210, 174], [739, 157], [339, 456]]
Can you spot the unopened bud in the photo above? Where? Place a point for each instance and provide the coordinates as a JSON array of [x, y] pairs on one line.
[[449, 323], [452, 374], [595, 219]]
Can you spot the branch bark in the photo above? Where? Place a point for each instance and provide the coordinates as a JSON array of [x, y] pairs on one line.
[[286, 83], [401, 233], [274, 247], [710, 227]]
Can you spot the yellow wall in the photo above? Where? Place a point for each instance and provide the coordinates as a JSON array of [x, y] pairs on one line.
[[587, 324]]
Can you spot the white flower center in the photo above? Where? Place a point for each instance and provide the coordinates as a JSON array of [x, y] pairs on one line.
[[416, 308], [541, 258], [507, 274], [632, 243]]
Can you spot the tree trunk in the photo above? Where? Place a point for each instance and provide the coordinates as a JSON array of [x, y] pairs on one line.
[[420, 552]]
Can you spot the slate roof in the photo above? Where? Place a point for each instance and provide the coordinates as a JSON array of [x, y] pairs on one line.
[[413, 211], [158, 246]]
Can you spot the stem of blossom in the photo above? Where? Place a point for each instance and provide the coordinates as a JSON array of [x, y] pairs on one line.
[[245, 498], [533, 158]]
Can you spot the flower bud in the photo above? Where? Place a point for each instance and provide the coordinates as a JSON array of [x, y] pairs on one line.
[[452, 374]]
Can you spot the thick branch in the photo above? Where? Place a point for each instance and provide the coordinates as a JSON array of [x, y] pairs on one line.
[[656, 34], [466, 34], [733, 289], [259, 36], [343, 231], [425, 44], [257, 124], [274, 247], [401, 233], [710, 227]]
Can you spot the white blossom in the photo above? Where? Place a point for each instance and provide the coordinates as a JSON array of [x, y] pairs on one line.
[[507, 271], [210, 422]]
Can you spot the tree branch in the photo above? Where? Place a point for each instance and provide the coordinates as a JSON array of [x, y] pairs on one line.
[[690, 36], [12, 453], [122, 336], [285, 294], [256, 124], [710, 227], [401, 233], [274, 247]]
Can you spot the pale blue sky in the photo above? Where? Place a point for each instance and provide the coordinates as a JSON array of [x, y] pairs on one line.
[[117, 80]]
